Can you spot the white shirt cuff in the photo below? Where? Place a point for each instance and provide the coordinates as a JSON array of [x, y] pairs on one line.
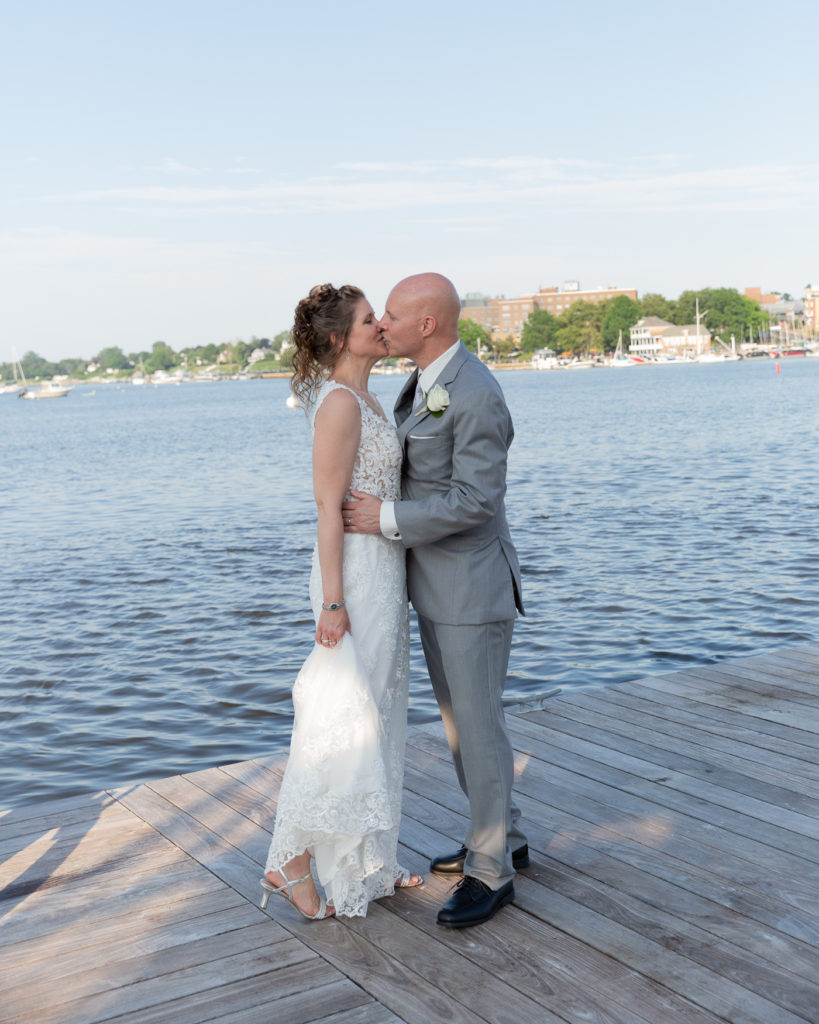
[[389, 527]]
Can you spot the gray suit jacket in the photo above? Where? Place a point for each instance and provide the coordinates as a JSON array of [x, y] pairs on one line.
[[461, 564]]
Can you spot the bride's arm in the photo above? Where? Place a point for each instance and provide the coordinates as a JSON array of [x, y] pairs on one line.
[[337, 430]]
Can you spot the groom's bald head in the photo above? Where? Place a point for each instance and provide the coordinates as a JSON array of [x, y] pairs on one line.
[[421, 317], [434, 295]]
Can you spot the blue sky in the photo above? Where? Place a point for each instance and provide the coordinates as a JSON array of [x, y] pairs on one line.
[[186, 171]]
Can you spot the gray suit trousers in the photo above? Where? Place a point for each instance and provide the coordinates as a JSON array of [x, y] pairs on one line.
[[467, 666]]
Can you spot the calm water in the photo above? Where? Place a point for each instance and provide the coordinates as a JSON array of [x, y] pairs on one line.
[[156, 551]]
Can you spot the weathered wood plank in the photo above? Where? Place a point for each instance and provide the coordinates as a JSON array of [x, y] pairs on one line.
[[615, 927], [648, 824], [64, 810], [598, 925], [111, 820], [675, 876], [549, 764], [93, 977], [771, 736], [390, 981], [804, 658], [613, 852], [132, 940], [82, 904], [166, 987], [568, 978], [771, 676], [340, 1001], [701, 760], [18, 960], [767, 711], [50, 861], [679, 721], [595, 760]]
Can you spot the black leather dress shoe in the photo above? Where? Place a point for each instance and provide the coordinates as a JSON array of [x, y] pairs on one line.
[[473, 902], [454, 863]]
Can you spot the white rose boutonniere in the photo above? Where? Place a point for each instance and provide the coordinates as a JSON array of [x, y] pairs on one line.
[[437, 399]]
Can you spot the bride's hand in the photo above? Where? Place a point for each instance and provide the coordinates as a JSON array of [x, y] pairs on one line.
[[331, 627]]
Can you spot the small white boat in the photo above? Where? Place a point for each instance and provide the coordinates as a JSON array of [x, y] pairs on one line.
[[544, 359], [47, 390]]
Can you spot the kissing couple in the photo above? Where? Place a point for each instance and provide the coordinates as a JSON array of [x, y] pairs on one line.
[[415, 510]]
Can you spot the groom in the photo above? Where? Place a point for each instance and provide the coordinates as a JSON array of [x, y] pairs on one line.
[[462, 572]]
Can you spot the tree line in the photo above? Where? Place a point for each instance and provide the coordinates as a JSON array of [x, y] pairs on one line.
[[113, 361], [594, 327], [585, 327]]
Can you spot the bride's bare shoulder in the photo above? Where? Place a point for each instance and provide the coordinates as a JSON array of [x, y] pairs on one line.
[[337, 407]]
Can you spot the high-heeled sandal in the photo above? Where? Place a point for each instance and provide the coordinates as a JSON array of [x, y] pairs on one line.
[[404, 880], [286, 892]]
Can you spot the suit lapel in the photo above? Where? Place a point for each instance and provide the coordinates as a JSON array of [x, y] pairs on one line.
[[403, 407], [410, 420], [403, 404]]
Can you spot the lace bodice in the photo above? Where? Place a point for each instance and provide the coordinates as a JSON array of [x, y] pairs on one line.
[[377, 468]]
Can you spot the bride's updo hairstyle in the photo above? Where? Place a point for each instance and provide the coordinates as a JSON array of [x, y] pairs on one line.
[[323, 319]]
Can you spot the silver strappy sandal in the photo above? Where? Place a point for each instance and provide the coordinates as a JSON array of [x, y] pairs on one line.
[[404, 880], [286, 892]]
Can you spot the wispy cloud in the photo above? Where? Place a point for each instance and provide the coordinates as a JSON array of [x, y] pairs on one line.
[[176, 168], [172, 166], [661, 184]]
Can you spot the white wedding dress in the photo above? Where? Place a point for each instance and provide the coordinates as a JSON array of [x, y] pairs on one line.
[[341, 793]]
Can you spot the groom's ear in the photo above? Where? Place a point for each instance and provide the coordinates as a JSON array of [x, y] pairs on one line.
[[428, 325]]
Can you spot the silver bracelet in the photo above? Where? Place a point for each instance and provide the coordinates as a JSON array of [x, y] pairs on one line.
[[333, 606]]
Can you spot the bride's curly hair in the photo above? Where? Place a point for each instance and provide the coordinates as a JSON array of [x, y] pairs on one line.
[[323, 319]]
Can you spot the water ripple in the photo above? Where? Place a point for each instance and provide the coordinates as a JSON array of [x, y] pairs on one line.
[[155, 588]]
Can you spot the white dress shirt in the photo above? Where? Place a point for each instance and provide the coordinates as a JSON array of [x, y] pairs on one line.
[[426, 378]]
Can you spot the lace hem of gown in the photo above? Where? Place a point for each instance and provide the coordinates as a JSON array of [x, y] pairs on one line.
[[338, 796]]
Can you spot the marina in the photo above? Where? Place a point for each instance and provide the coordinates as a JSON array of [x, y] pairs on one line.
[[672, 822]]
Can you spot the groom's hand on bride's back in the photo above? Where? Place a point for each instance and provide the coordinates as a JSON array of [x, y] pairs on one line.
[[362, 514]]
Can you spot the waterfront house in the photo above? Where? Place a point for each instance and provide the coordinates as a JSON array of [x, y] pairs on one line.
[[645, 336]]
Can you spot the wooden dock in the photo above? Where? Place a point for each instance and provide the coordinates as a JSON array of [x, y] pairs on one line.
[[674, 880]]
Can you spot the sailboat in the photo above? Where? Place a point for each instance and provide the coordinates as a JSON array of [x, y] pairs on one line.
[[19, 379], [709, 355], [139, 377], [620, 358], [731, 354]]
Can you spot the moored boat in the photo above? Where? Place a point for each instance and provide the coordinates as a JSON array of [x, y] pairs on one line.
[[49, 389]]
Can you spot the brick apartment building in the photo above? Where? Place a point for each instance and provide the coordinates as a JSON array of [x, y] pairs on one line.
[[505, 317]]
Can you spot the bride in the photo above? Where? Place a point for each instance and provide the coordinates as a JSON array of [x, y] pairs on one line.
[[339, 806]]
